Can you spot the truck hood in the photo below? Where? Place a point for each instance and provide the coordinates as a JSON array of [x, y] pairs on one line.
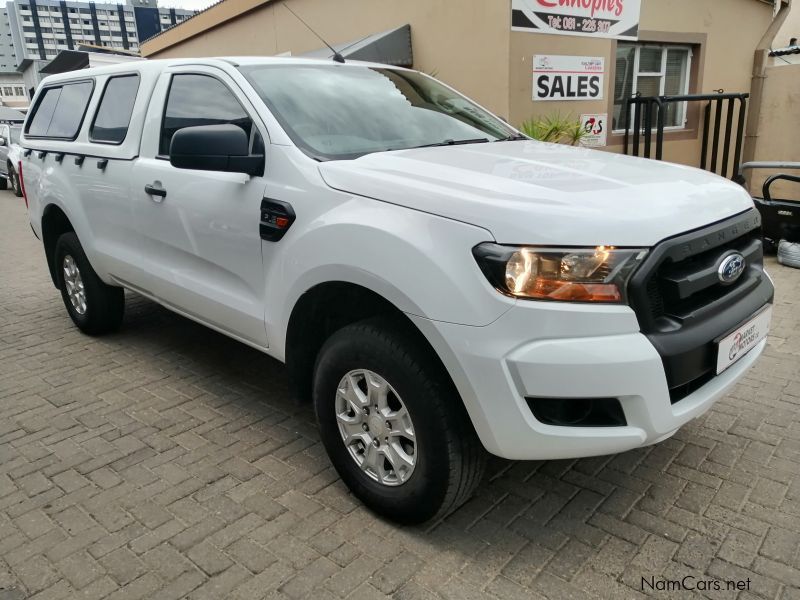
[[530, 192]]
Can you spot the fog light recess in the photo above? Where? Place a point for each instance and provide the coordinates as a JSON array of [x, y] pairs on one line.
[[578, 412]]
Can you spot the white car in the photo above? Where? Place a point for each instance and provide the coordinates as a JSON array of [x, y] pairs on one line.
[[10, 151], [436, 282]]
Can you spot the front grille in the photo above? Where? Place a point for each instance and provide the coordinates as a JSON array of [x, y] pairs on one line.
[[682, 305], [682, 289], [655, 299]]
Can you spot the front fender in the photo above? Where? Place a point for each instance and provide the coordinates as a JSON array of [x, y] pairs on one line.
[[419, 262]]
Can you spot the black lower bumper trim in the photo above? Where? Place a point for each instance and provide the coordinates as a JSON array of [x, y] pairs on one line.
[[691, 352]]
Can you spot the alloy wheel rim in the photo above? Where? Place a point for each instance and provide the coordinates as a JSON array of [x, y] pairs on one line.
[[376, 427], [74, 284]]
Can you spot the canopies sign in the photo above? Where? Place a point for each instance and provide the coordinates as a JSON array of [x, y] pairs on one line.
[[595, 18]]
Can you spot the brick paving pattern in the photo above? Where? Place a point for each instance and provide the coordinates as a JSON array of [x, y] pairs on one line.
[[166, 461]]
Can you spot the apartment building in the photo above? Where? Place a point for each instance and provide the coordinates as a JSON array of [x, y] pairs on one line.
[[12, 89], [6, 44], [41, 28]]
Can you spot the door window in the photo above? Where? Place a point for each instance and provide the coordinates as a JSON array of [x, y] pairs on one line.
[[195, 99]]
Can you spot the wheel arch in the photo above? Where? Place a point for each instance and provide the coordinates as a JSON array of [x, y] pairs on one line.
[[324, 309], [55, 223]]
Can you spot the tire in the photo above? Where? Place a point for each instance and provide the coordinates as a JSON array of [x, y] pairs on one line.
[[448, 459], [13, 179], [102, 306], [4, 182], [789, 254]]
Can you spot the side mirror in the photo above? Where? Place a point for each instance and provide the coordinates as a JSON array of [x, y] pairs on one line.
[[2, 141], [214, 148]]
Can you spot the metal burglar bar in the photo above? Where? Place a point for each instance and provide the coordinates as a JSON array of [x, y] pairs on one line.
[[649, 114]]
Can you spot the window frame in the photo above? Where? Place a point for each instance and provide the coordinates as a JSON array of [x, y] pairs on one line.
[[100, 104], [665, 47], [172, 77], [40, 97]]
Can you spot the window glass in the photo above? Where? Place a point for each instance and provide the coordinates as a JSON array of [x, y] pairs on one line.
[[344, 112], [200, 100], [43, 113], [676, 75], [15, 131], [70, 110], [662, 70], [650, 60], [649, 85], [60, 111], [623, 80], [114, 113], [675, 79]]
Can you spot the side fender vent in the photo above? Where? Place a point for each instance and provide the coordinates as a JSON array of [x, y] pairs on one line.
[[276, 219]]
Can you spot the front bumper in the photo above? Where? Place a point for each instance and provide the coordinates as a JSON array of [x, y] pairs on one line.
[[569, 352]]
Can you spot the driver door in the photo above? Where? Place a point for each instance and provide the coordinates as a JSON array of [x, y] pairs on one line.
[[200, 229]]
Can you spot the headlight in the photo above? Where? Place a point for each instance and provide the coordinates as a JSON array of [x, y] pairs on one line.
[[596, 274]]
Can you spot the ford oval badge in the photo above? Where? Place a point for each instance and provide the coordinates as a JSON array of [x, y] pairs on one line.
[[731, 268]]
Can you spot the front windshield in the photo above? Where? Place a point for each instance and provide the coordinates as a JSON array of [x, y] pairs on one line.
[[341, 111]]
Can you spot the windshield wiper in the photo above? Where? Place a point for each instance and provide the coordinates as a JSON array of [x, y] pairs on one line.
[[452, 143]]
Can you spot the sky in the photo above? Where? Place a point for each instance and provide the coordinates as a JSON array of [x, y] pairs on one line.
[[188, 4]]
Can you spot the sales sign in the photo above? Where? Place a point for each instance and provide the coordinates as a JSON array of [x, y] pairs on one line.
[[558, 77], [617, 19]]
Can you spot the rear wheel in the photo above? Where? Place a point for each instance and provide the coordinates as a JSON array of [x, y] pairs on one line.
[[95, 307], [393, 425], [4, 182], [13, 179]]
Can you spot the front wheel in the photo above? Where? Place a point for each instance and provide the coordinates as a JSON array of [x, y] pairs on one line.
[[94, 306], [393, 425]]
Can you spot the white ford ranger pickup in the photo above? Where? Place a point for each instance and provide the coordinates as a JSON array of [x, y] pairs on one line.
[[436, 283]]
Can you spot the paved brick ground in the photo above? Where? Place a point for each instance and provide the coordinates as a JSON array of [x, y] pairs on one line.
[[166, 461]]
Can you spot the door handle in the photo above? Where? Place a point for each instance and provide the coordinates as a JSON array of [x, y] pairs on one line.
[[155, 189]]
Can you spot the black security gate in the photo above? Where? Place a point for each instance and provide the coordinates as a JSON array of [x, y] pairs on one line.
[[645, 115]]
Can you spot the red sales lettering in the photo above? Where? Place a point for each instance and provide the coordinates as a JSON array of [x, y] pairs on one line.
[[614, 7]]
